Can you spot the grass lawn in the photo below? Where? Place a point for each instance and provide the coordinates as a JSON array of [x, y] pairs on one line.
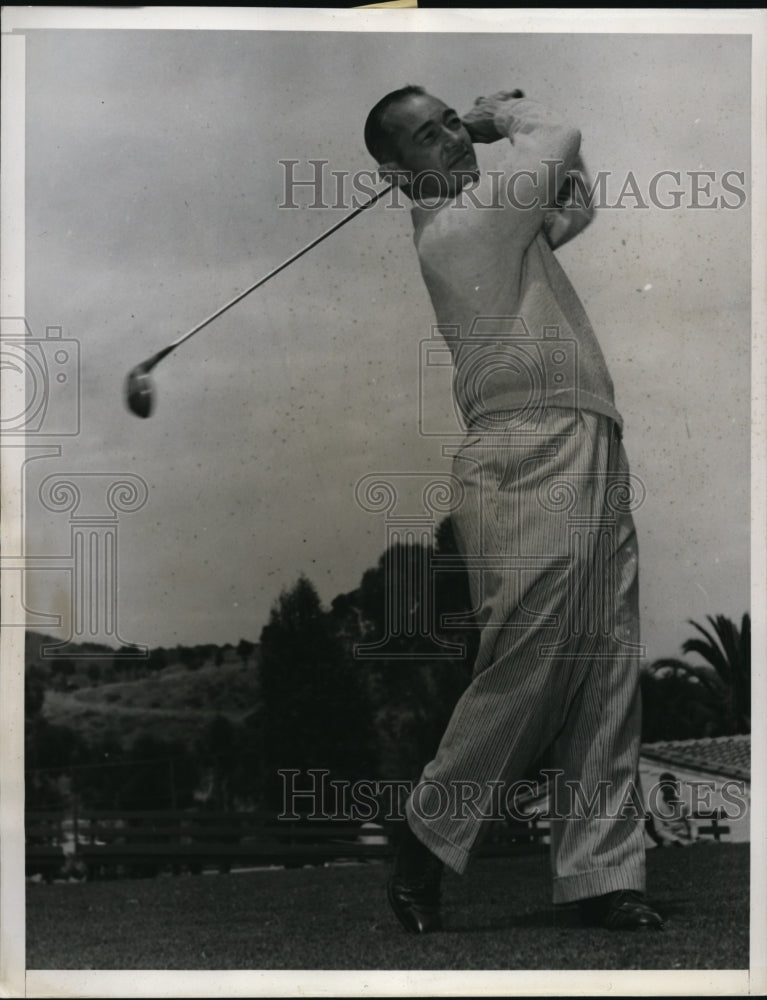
[[498, 916]]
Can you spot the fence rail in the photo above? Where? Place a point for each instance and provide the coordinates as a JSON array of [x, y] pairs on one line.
[[107, 844]]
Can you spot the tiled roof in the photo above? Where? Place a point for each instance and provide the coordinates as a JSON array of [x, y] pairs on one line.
[[727, 755]]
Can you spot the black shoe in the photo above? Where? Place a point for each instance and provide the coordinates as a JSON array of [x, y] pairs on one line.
[[624, 910], [416, 904], [414, 888]]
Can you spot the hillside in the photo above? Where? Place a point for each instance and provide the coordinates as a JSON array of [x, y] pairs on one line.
[[173, 702]]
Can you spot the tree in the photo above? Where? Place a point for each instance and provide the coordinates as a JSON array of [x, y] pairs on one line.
[[157, 659], [314, 710], [412, 695], [676, 705], [34, 692], [159, 774], [728, 651], [711, 699], [224, 752], [190, 657], [245, 650], [49, 752], [98, 785], [63, 669]]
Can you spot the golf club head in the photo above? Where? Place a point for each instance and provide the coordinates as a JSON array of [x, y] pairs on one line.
[[139, 391]]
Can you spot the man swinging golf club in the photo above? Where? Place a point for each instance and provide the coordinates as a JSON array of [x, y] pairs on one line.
[[557, 666]]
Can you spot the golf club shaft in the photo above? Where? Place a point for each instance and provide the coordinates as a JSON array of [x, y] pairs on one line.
[[271, 274]]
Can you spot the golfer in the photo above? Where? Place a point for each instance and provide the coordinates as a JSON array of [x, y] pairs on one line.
[[545, 521]]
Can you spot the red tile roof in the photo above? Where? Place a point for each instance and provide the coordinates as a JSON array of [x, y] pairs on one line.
[[726, 755]]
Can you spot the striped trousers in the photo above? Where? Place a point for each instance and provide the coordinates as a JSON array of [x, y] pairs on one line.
[[546, 528]]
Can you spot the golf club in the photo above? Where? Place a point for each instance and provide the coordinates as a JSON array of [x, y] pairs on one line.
[[139, 387]]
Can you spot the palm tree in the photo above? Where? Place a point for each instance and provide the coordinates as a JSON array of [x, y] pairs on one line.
[[677, 704], [726, 680], [728, 651]]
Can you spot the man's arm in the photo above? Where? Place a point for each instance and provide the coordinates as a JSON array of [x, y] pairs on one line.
[[574, 213], [544, 149]]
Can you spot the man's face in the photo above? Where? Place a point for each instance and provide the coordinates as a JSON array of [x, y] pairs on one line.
[[432, 145]]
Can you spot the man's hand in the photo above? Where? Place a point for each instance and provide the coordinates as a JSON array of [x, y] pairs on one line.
[[480, 121]]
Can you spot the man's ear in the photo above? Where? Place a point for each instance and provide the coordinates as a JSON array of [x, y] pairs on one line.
[[393, 173]]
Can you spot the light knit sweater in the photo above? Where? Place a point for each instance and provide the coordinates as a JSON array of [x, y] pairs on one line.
[[519, 334]]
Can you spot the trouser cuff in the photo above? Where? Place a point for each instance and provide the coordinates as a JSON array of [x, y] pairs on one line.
[[598, 882], [456, 858]]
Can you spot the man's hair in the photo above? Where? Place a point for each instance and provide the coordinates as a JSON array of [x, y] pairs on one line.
[[380, 141]]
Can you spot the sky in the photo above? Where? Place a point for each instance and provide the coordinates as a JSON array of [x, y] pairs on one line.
[[153, 192]]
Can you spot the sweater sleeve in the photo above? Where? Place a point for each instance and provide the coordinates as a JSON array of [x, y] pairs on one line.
[[544, 147]]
